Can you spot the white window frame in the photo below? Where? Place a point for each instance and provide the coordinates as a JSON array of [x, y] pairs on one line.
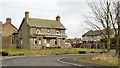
[[48, 31], [45, 41], [35, 39], [55, 40], [21, 41], [57, 31], [40, 41], [37, 31]]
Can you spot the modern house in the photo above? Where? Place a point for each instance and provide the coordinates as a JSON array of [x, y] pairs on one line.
[[91, 39], [37, 33], [6, 31]]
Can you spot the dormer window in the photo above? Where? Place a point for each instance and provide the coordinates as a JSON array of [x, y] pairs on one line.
[[38, 31], [57, 31], [48, 31]]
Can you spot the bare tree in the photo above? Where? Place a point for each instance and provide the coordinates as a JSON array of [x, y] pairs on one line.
[[117, 21], [103, 18]]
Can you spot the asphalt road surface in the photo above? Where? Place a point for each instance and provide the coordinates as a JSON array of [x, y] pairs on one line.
[[44, 61], [38, 60]]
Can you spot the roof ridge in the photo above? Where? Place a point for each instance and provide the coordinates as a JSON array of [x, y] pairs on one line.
[[42, 19]]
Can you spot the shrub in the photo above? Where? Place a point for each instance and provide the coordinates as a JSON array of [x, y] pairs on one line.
[[113, 40], [92, 52], [104, 51], [56, 54], [4, 53], [101, 52], [82, 52], [0, 52], [21, 54], [13, 55]]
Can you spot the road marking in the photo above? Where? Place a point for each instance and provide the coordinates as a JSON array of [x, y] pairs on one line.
[[71, 63], [4, 65], [20, 57], [68, 62]]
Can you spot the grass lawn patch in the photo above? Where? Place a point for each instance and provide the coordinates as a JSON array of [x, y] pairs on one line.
[[14, 51], [103, 60]]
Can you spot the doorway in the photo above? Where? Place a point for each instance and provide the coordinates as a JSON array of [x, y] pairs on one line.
[[48, 43]]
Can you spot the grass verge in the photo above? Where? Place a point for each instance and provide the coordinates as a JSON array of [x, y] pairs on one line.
[[14, 51], [103, 60]]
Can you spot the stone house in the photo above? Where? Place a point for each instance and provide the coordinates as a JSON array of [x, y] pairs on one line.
[[7, 29], [36, 33]]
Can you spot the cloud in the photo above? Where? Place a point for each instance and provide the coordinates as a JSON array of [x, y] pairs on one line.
[[71, 12]]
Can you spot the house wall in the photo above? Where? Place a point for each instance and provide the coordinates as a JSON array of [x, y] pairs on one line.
[[52, 43], [23, 34], [91, 38], [45, 31], [28, 42], [8, 30], [15, 40], [92, 42], [60, 43], [0, 41], [7, 42], [62, 31], [33, 46], [7, 37]]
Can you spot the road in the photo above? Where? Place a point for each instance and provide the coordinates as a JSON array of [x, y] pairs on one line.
[[50, 60], [38, 60]]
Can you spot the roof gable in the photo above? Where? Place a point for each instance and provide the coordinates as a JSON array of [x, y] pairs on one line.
[[21, 24], [6, 24]]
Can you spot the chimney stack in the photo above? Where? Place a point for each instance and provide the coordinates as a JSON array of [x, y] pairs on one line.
[[58, 18], [8, 20], [27, 16], [0, 23]]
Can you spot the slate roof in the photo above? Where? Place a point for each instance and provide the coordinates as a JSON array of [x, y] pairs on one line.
[[44, 23], [93, 33], [96, 33]]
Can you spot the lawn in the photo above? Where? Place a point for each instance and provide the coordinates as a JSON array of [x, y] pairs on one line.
[[14, 51], [103, 60]]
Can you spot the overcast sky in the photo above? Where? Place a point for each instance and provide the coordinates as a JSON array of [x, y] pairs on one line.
[[70, 11]]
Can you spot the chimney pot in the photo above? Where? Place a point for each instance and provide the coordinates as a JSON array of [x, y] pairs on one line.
[[58, 18], [0, 23], [8, 20], [27, 16]]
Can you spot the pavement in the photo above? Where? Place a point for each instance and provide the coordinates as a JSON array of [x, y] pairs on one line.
[[53, 61]]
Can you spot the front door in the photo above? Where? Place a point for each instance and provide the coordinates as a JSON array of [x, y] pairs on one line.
[[48, 43]]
